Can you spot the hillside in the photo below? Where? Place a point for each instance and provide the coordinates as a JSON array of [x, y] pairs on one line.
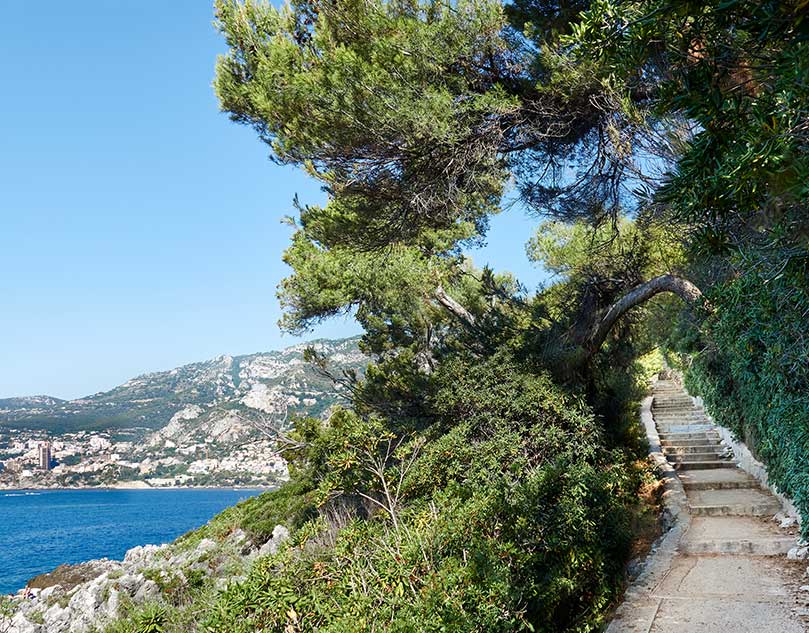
[[151, 400], [207, 423]]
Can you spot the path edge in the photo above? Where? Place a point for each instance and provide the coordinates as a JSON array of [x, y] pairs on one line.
[[675, 517]]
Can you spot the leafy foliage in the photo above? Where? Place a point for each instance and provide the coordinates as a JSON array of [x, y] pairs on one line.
[[510, 517], [729, 80], [371, 79], [723, 83], [483, 478]]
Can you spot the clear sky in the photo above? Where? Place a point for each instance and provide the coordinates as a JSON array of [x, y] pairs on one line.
[[139, 227]]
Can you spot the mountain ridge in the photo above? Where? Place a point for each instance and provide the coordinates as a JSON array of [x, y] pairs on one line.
[[150, 399], [212, 422]]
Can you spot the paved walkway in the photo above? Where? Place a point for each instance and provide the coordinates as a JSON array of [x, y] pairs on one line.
[[723, 566]]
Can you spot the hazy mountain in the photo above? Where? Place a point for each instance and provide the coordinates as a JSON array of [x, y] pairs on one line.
[[199, 392], [29, 403]]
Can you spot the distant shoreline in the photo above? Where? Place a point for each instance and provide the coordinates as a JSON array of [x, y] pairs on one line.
[[147, 487]]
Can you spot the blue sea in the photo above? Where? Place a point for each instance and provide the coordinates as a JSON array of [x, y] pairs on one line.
[[41, 529]]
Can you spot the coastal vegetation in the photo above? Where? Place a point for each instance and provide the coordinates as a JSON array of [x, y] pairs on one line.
[[486, 474], [664, 143]]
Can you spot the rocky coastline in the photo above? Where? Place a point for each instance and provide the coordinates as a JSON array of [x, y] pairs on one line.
[[88, 596]]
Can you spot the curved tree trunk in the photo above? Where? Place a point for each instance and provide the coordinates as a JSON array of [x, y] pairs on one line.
[[683, 288], [592, 338]]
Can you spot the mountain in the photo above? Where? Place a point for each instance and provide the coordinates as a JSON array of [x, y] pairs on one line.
[[208, 423], [151, 401], [30, 403]]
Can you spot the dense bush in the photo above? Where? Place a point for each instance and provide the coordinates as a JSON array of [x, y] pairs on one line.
[[750, 363], [510, 516]]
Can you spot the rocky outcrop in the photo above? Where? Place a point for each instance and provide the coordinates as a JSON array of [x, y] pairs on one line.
[[82, 598]]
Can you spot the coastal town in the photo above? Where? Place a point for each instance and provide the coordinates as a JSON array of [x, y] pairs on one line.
[[30, 459]]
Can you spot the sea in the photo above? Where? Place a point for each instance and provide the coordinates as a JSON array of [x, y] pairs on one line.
[[41, 529]]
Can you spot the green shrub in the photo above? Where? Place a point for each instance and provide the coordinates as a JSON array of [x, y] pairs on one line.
[[152, 618], [508, 515]]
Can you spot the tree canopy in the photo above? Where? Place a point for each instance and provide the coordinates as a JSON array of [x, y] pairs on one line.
[[662, 146], [417, 117]]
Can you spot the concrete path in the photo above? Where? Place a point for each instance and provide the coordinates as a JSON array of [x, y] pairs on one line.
[[723, 566]]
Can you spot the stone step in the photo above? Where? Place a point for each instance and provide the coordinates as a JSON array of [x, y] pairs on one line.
[[695, 427], [774, 546], [693, 448], [668, 419], [735, 535], [717, 478], [673, 438], [666, 407], [670, 429], [732, 502], [693, 457], [689, 443], [679, 408], [667, 415], [722, 485], [705, 465]]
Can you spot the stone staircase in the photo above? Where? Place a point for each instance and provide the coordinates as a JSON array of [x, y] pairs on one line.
[[713, 483], [722, 567]]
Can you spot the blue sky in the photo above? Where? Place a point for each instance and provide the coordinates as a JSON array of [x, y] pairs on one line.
[[139, 227]]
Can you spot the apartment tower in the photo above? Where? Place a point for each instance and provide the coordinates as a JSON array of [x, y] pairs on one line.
[[44, 449]]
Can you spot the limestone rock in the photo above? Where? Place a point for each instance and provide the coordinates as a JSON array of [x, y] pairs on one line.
[[49, 594], [21, 624], [206, 545], [148, 592], [130, 583], [57, 619], [279, 535], [141, 554], [69, 576], [113, 603]]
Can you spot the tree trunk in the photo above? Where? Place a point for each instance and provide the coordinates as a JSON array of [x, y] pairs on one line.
[[591, 339], [683, 288], [454, 308]]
